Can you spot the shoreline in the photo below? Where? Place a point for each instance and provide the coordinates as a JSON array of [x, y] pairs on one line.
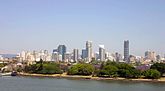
[[162, 80]]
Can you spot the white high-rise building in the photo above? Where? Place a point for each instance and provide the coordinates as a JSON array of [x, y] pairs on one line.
[[23, 56], [67, 57], [55, 56], [150, 55], [101, 53], [60, 57], [89, 50], [75, 55]]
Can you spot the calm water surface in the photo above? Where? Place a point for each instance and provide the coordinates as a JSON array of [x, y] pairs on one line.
[[53, 84]]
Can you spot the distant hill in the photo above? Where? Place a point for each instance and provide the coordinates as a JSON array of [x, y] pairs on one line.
[[8, 55]]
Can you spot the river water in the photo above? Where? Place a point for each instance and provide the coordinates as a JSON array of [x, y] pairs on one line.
[[53, 84]]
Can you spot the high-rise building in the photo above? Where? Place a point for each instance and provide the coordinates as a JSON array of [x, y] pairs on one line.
[[132, 59], [67, 57], [75, 55], [150, 55], [60, 57], [55, 56], [62, 51], [23, 56], [158, 57], [118, 57], [101, 53], [36, 55], [96, 56], [108, 56], [89, 50], [46, 52], [126, 51], [84, 54]]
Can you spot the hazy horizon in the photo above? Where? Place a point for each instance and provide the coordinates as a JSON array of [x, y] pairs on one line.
[[44, 24]]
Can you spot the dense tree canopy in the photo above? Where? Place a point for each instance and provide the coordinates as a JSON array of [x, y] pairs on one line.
[[44, 68], [113, 69], [160, 67], [81, 69], [152, 74], [109, 70]]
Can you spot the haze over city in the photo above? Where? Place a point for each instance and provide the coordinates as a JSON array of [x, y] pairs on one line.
[[44, 24]]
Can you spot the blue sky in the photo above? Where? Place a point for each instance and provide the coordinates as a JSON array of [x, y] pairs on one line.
[[44, 24]]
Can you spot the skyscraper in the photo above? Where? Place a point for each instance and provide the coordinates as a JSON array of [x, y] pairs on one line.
[[117, 57], [101, 53], [67, 57], [126, 51], [62, 51], [84, 53], [75, 55], [150, 55], [55, 56], [89, 50]]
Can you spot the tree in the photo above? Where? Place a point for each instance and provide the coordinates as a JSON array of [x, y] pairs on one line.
[[94, 62], [40, 65], [152, 74], [124, 66], [50, 68], [47, 68], [160, 67], [109, 70], [81, 69], [109, 62], [128, 71]]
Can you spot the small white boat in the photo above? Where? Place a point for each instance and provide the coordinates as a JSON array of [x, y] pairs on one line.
[[9, 74], [6, 74]]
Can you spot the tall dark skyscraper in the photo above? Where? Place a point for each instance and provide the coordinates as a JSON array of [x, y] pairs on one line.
[[62, 51], [84, 53], [126, 50]]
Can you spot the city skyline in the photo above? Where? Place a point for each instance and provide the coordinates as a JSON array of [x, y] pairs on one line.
[[47, 24]]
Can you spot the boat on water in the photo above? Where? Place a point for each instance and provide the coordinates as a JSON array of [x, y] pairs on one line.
[[9, 74]]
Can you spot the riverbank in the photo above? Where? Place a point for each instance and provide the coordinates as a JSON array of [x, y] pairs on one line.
[[91, 78]]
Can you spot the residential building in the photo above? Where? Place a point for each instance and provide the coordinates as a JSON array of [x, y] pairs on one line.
[[75, 55], [89, 51], [101, 53]]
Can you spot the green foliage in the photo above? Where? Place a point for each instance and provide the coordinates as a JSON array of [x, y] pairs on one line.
[[44, 68], [94, 62], [50, 68], [152, 74], [109, 70], [2, 65], [81, 69], [111, 63], [129, 73], [160, 67], [124, 66], [113, 69]]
